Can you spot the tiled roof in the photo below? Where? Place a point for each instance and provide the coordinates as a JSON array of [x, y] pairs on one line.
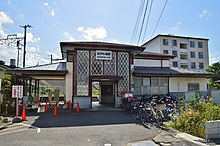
[[166, 71], [54, 66]]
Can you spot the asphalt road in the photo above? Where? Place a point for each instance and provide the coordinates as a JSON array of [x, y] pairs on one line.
[[87, 128]]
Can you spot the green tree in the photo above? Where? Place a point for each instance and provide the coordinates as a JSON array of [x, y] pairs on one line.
[[2, 62], [214, 68]]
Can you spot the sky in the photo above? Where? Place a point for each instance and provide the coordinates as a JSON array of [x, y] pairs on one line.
[[55, 21]]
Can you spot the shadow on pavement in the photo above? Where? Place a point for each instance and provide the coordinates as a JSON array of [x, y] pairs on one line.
[[70, 118]]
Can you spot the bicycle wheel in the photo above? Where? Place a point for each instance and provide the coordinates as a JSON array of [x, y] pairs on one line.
[[159, 118], [134, 113], [146, 117]]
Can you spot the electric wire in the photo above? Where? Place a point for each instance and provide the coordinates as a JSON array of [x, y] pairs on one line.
[[148, 17], [159, 17], [134, 35], [143, 20]]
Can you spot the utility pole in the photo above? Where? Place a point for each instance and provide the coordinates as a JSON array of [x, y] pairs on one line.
[[25, 31], [18, 44], [51, 58]]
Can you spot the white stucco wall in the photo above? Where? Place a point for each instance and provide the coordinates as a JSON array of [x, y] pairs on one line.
[[69, 81], [177, 84], [151, 63], [153, 46]]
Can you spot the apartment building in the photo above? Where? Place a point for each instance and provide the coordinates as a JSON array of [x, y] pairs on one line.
[[190, 52]]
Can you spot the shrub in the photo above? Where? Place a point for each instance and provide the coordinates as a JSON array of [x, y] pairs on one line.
[[193, 120]]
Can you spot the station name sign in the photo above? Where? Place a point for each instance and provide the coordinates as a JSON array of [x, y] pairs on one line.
[[103, 55]]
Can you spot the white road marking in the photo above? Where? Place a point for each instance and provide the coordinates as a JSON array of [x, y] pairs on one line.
[[34, 127], [107, 144], [12, 131]]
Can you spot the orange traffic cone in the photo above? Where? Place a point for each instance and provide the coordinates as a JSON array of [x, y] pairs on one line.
[[23, 118], [38, 103], [70, 106], [55, 113], [77, 108], [46, 108]]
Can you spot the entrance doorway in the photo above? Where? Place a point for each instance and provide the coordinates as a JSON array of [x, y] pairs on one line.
[[103, 95]]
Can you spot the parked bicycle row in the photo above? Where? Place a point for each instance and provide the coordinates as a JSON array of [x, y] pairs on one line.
[[154, 109]]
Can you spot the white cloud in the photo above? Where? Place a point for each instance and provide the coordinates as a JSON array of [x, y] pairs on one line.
[[204, 14], [93, 33], [50, 9], [52, 13], [214, 57], [68, 36], [30, 37], [4, 19], [176, 27]]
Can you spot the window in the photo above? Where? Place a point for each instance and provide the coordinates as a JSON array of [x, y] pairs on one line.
[[138, 85], [192, 54], [193, 86], [200, 45], [165, 52], [174, 53], [165, 42], [183, 56], [175, 64], [174, 42], [193, 65], [183, 46], [200, 55], [201, 66], [192, 44], [184, 65]]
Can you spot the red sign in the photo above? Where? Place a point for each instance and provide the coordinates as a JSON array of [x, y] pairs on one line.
[[17, 91]]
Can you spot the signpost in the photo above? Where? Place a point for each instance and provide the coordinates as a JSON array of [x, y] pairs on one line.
[[17, 92]]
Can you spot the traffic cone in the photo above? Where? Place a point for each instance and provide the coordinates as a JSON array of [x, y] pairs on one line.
[[46, 108], [55, 113], [77, 108], [70, 106], [38, 103], [23, 118]]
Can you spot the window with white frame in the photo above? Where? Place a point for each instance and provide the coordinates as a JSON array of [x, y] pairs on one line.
[[192, 44], [201, 66], [193, 86], [200, 55], [165, 42], [165, 52], [200, 45], [192, 54], [193, 65], [174, 52], [174, 42], [175, 64]]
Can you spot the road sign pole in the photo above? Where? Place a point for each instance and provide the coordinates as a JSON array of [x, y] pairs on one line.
[[17, 107]]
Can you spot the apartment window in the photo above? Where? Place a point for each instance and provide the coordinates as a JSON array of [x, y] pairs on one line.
[[165, 42], [183, 65], [165, 52], [183, 56], [192, 54], [200, 45], [193, 65], [201, 66], [183, 46], [193, 86], [200, 55], [174, 53], [175, 64], [174, 42], [192, 44]]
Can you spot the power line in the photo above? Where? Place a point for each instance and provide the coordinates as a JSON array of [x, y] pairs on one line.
[[148, 17], [159, 17], [134, 35], [143, 20]]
